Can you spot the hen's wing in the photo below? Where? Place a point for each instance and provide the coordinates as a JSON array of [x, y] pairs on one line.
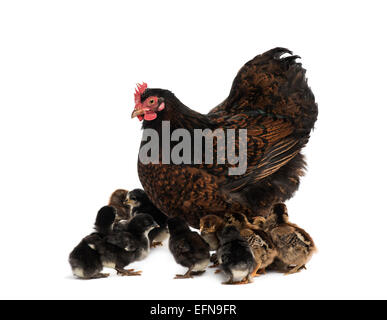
[[271, 99]]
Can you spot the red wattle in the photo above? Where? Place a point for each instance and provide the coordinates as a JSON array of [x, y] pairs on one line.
[[150, 116]]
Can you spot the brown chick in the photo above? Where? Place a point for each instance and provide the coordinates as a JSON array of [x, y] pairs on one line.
[[210, 226], [294, 245], [260, 242], [240, 221], [120, 200]]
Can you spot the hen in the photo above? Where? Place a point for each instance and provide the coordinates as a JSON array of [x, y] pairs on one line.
[[270, 98]]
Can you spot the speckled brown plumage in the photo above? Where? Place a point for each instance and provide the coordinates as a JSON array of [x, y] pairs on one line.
[[295, 246], [118, 200], [271, 99]]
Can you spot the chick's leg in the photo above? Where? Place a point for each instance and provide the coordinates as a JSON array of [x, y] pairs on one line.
[[101, 275], [156, 243], [244, 281], [255, 271], [230, 280], [295, 270], [197, 273], [128, 272], [98, 276], [187, 275]]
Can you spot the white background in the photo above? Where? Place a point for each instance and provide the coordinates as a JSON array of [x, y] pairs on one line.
[[67, 75]]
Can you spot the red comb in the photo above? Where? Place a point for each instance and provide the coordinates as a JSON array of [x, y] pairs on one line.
[[138, 92]]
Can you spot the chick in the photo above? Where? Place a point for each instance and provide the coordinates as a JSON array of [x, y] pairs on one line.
[[85, 260], [236, 257], [210, 227], [260, 242], [188, 248], [120, 248], [294, 245], [140, 203], [240, 221], [120, 200], [263, 248]]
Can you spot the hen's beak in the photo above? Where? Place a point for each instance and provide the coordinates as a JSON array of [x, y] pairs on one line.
[[137, 112]]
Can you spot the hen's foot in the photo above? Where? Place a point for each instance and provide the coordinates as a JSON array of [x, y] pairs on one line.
[[128, 272]]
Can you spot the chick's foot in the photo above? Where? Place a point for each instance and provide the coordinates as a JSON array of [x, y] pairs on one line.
[[99, 276], [156, 244], [230, 282], [256, 273], [187, 275], [128, 272], [197, 273], [295, 270]]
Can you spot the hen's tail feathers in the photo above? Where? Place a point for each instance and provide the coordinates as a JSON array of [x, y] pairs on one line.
[[276, 53], [298, 101], [276, 83], [105, 219]]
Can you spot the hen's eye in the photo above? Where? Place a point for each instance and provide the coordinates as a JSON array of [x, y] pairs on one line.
[[151, 101]]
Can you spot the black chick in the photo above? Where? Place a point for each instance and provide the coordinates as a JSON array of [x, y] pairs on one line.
[[120, 200], [140, 203], [85, 260], [236, 257], [120, 248], [188, 248]]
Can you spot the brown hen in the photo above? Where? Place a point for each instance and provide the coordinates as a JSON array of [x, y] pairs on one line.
[[271, 99]]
